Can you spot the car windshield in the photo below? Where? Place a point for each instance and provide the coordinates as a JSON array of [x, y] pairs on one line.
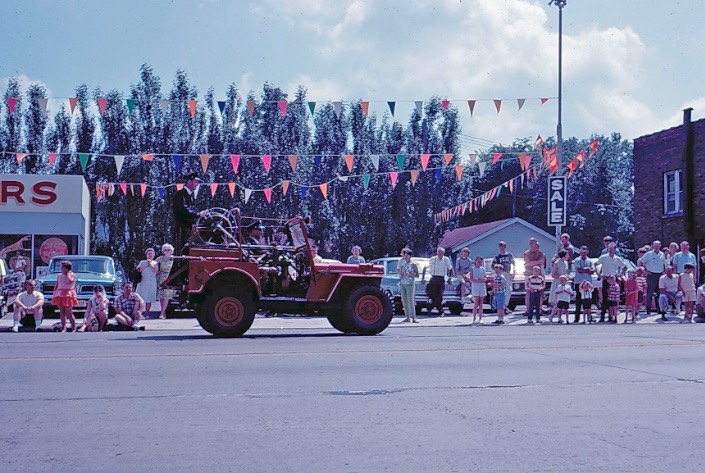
[[393, 264], [98, 266]]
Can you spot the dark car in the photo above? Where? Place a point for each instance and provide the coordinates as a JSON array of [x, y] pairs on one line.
[[90, 272]]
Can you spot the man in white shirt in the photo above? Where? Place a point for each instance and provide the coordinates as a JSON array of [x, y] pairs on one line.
[[610, 265], [669, 293], [440, 268], [684, 256], [28, 302], [655, 263]]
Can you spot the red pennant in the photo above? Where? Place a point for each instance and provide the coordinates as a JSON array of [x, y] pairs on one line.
[[365, 107], [11, 104], [268, 194], [102, 105], [192, 107], [497, 104], [123, 188], [424, 161], [52, 159], [543, 101], [459, 171], [447, 158], [283, 105], [349, 161], [267, 162], [235, 161], [72, 103], [148, 157], [143, 189], [205, 159], [250, 107], [593, 147], [20, 157], [581, 157], [539, 142], [394, 176], [445, 104], [471, 106], [496, 157], [292, 161]]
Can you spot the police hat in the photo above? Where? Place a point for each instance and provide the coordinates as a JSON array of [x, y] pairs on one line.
[[254, 225], [193, 175]]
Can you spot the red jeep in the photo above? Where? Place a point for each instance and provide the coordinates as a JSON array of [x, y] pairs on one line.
[[228, 280]]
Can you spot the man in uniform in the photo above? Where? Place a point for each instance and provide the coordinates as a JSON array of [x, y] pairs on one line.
[[185, 213]]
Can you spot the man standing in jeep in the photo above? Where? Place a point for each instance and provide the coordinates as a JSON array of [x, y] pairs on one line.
[[185, 213]]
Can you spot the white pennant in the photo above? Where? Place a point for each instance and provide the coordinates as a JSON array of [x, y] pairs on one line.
[[481, 166], [419, 106], [42, 104], [338, 106], [248, 193], [164, 105], [375, 161], [119, 161], [343, 178], [473, 158]]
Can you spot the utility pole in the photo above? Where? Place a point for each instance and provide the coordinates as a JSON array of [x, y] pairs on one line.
[[559, 127]]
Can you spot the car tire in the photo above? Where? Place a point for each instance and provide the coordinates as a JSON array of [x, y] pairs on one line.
[[367, 311], [455, 309], [227, 311]]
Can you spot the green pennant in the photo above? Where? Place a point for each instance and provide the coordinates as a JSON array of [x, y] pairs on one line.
[[312, 106], [366, 180], [83, 157], [400, 161], [130, 105]]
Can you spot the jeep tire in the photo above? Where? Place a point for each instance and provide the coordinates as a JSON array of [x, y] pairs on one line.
[[367, 310], [227, 311]]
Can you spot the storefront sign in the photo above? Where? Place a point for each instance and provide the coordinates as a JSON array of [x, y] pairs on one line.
[[42, 193]]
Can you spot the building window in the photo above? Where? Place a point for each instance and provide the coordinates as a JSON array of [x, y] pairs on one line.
[[672, 193]]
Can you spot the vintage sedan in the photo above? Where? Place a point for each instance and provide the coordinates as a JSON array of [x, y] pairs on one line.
[[90, 271], [390, 286]]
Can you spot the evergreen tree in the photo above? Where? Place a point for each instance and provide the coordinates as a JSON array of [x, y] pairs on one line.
[[35, 127], [12, 131]]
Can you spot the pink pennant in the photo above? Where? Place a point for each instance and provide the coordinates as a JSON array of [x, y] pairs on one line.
[[543, 101], [283, 105], [123, 188], [102, 105], [424, 161], [365, 107], [143, 189], [268, 194], [72, 103], [267, 162], [471, 106], [459, 171], [11, 104], [214, 189], [445, 104], [497, 104], [496, 157], [394, 175], [235, 161], [52, 159]]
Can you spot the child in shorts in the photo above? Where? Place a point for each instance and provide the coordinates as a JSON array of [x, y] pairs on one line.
[[535, 285], [478, 287], [563, 293], [686, 284], [586, 289], [631, 296], [613, 293], [641, 282], [462, 267], [499, 293]]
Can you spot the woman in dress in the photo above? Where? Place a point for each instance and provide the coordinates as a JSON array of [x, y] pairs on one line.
[[147, 287], [65, 295], [408, 272], [164, 263]]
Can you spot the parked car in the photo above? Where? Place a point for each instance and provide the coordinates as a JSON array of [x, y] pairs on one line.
[[90, 271], [390, 286]]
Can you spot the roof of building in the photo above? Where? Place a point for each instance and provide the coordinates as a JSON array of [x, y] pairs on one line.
[[467, 235]]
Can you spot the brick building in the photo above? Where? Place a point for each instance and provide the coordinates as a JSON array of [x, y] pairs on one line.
[[669, 184]]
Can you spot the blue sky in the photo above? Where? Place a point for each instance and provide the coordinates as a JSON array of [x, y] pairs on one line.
[[629, 66]]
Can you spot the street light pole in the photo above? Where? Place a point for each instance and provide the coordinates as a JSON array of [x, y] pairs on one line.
[[559, 126]]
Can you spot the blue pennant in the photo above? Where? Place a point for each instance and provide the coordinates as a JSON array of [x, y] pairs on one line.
[[177, 162]]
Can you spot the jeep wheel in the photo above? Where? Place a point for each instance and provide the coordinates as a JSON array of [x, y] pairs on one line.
[[338, 321], [227, 312], [367, 310]]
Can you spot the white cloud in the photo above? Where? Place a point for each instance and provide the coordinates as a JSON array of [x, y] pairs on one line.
[[320, 90]]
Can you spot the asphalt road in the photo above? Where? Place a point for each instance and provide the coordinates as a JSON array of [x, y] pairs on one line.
[[541, 398]]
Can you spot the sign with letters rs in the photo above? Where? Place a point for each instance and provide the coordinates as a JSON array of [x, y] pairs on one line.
[[557, 196]]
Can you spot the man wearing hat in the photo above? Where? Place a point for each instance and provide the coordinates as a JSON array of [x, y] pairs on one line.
[[254, 237], [185, 213]]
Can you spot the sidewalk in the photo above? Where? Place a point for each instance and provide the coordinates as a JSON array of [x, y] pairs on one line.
[[317, 323]]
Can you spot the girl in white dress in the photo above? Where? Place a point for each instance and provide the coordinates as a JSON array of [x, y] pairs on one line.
[[147, 287]]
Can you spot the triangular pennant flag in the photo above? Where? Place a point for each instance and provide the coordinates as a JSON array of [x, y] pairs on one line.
[[148, 157], [338, 107], [414, 173], [424, 160], [235, 161], [581, 157], [497, 104], [459, 171], [231, 188], [366, 181], [392, 106], [102, 105], [250, 109], [123, 188], [520, 102], [178, 159], [522, 162], [267, 162], [130, 105], [285, 186], [42, 104], [375, 161], [119, 161], [192, 107], [419, 106], [393, 176], [438, 176], [52, 159], [400, 161], [72, 103], [365, 107], [543, 101], [98, 193], [205, 158], [221, 106], [214, 189], [471, 106], [248, 193], [293, 159], [539, 142], [445, 104], [179, 186], [20, 157], [481, 167], [83, 158], [473, 158], [11, 104], [164, 106], [302, 192], [572, 166], [143, 189], [324, 190], [283, 106], [593, 147], [111, 189], [343, 178], [312, 107], [496, 157], [317, 160], [447, 158], [161, 191], [349, 161], [268, 194], [511, 186]]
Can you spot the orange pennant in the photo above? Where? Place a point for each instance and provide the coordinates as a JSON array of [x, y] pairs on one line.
[[285, 186], [268, 194], [20, 157], [349, 161], [448, 157], [192, 107], [250, 107], [414, 175], [522, 160], [143, 189], [148, 157], [231, 188], [72, 103], [292, 161], [365, 107], [214, 189], [459, 171], [324, 190], [205, 158], [424, 161]]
